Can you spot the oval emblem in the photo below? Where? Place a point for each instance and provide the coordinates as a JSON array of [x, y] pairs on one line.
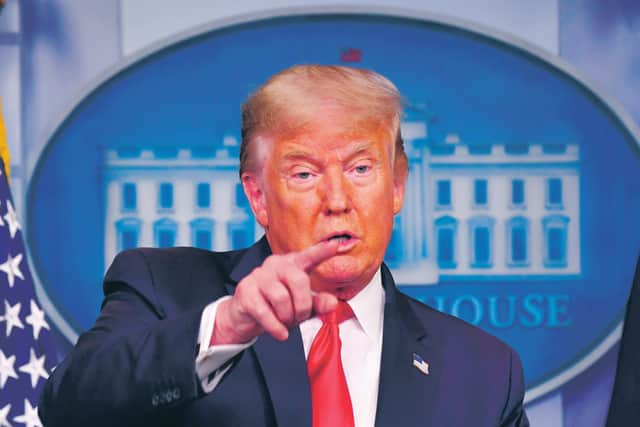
[[520, 198]]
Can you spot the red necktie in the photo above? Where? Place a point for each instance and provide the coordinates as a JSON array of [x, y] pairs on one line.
[[330, 400]]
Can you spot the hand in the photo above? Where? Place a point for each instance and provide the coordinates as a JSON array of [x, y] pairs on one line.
[[274, 297]]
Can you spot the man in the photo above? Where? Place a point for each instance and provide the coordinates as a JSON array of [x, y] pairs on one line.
[[624, 409], [251, 337]]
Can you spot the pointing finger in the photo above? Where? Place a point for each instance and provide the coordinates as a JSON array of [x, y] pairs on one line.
[[314, 255]]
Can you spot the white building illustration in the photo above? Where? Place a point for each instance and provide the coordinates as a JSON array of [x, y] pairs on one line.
[[487, 210], [167, 197], [471, 211]]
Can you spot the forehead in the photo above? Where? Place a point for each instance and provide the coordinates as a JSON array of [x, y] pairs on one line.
[[331, 141], [335, 130], [321, 130]]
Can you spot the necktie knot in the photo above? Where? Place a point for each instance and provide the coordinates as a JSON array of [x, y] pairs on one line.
[[342, 313]]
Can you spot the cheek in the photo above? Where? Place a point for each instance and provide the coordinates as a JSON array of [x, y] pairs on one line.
[[296, 202], [292, 210], [378, 203], [379, 214]]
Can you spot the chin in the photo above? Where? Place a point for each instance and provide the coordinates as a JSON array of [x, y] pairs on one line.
[[339, 272]]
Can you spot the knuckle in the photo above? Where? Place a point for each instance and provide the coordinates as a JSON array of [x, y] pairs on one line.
[[300, 279], [261, 312], [279, 297], [246, 284], [270, 261], [244, 293], [255, 275]]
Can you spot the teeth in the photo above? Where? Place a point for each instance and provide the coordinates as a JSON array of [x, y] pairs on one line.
[[342, 238]]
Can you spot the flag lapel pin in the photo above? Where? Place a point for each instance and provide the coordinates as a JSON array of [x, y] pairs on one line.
[[420, 364]]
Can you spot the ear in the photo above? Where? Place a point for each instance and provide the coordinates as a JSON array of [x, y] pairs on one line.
[[252, 185], [400, 172]]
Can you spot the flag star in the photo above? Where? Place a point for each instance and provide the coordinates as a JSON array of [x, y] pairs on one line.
[[36, 320], [12, 316], [6, 369], [35, 368], [4, 413], [12, 268], [12, 219], [1, 223], [30, 416]]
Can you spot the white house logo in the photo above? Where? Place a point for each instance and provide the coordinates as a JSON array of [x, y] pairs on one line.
[[507, 220], [462, 202]]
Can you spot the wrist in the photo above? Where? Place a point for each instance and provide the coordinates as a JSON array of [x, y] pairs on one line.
[[224, 331]]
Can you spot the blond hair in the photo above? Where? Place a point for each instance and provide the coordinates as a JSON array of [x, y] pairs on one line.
[[288, 102]]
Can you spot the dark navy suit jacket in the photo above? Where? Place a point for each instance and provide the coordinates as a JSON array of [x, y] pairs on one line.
[[624, 410], [136, 366]]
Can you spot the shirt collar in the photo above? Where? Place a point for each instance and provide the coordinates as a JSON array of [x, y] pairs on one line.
[[368, 306]]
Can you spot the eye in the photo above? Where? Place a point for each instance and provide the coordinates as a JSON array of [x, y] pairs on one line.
[[362, 169], [302, 175]]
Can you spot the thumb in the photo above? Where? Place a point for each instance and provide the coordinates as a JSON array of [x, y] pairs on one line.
[[324, 302]]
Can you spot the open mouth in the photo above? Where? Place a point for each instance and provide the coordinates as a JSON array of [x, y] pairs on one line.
[[344, 237], [346, 241]]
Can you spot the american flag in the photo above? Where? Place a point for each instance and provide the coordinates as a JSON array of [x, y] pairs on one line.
[[26, 349], [420, 364]]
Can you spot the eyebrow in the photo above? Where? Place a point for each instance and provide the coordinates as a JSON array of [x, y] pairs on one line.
[[300, 155], [351, 152], [360, 148]]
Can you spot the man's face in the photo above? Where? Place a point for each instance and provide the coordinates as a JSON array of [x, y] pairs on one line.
[[325, 184]]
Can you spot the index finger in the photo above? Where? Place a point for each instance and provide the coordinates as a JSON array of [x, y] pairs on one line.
[[308, 258]]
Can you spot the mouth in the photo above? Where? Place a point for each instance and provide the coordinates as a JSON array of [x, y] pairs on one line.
[[345, 239]]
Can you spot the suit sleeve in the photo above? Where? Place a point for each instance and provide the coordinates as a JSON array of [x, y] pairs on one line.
[[134, 366], [513, 414]]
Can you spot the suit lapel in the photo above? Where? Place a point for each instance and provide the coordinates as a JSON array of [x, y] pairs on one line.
[[253, 257], [283, 363], [285, 372], [406, 396]]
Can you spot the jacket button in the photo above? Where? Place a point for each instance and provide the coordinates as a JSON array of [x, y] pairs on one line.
[[176, 393]]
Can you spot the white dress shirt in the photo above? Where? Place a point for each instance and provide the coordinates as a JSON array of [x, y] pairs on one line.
[[361, 339]]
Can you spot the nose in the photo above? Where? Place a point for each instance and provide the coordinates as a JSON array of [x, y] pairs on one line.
[[336, 193]]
